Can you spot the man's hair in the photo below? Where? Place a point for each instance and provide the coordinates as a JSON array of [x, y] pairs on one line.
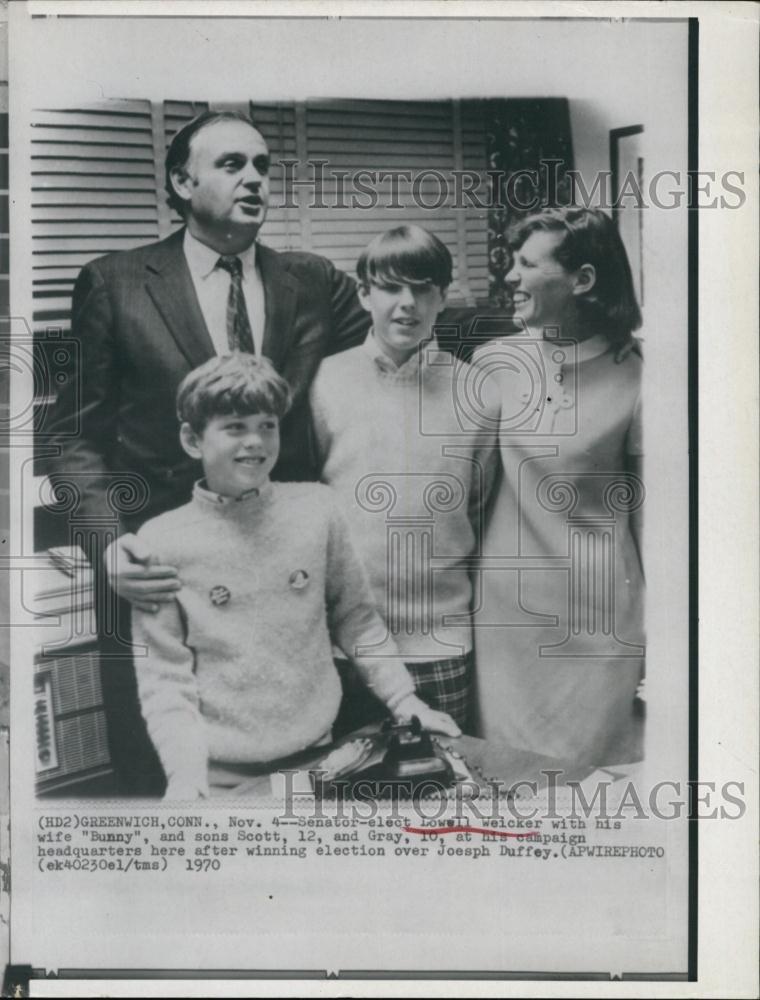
[[590, 237], [179, 149], [405, 255], [236, 383]]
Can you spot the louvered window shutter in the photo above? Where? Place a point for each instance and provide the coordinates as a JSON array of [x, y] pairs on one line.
[[415, 137], [93, 191]]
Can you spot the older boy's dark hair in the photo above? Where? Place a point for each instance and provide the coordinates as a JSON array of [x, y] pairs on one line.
[[179, 149], [590, 237], [235, 383], [406, 255]]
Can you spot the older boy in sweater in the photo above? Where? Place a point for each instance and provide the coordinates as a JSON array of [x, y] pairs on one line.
[[238, 674], [409, 445]]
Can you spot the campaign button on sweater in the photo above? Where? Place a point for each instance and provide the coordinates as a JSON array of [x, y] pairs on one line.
[[219, 595]]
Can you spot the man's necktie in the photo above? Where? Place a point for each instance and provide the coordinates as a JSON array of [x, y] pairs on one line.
[[239, 336]]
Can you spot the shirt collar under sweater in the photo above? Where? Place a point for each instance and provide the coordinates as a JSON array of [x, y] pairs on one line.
[[231, 507], [407, 371]]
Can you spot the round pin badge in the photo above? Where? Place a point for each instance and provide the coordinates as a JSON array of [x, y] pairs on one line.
[[299, 579], [219, 595]]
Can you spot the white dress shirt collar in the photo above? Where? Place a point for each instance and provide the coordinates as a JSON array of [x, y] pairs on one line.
[[202, 259]]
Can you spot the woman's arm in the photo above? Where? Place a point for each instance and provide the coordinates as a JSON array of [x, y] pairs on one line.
[[634, 466]]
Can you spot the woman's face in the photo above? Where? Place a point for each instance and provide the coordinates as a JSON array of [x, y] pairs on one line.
[[543, 292]]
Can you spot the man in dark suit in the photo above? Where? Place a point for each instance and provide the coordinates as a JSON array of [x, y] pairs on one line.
[[143, 319]]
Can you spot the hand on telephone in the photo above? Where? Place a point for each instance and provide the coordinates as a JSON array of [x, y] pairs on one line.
[[436, 722]]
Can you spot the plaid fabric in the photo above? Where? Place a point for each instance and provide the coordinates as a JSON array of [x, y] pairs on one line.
[[446, 685]]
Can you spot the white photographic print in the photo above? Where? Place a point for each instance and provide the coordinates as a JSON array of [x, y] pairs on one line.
[[363, 432]]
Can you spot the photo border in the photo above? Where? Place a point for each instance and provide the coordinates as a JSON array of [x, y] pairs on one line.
[[694, 588]]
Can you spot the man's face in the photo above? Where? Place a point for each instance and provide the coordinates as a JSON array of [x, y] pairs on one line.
[[225, 184]]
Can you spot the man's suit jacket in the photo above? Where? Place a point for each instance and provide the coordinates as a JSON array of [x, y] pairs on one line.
[[140, 330]]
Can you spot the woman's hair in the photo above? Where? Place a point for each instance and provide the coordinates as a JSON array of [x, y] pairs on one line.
[[235, 383], [590, 237], [407, 255], [179, 149]]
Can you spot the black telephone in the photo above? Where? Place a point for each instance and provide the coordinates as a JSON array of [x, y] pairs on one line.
[[402, 760]]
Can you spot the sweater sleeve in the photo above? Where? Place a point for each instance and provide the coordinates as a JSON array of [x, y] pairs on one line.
[[169, 698], [486, 468], [319, 418], [355, 624]]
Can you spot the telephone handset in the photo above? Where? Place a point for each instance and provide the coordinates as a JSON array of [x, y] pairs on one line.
[[403, 760]]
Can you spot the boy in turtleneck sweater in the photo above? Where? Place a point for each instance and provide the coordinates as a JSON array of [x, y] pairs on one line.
[[407, 440], [238, 675]]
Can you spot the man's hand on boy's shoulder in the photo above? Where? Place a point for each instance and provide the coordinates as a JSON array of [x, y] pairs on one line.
[[436, 722], [136, 577]]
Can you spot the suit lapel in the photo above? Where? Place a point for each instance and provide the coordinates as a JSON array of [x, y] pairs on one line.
[[170, 285], [280, 294]]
